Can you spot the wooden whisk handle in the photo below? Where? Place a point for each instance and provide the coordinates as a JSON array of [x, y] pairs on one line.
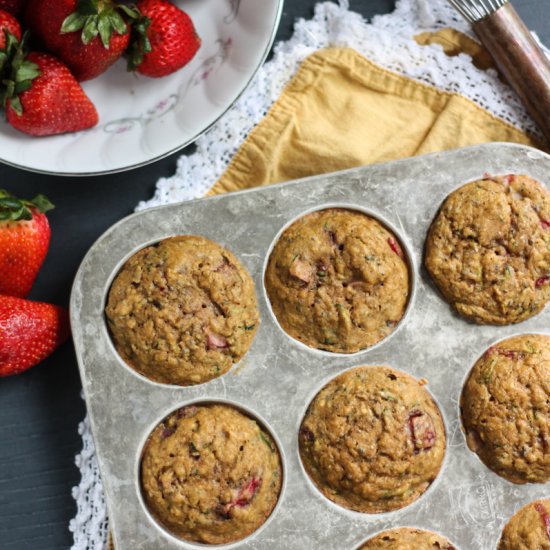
[[520, 59]]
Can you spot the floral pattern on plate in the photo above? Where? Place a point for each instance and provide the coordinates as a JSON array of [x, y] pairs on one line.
[[144, 119]]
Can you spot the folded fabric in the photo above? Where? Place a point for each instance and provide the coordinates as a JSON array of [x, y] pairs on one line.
[[455, 43], [341, 110]]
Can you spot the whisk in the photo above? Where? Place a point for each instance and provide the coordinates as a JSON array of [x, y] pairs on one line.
[[516, 53]]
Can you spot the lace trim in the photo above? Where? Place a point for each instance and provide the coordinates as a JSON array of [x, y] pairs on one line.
[[90, 526]]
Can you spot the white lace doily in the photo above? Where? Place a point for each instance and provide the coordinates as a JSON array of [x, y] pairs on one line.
[[388, 41]]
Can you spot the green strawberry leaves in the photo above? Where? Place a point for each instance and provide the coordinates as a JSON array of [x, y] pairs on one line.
[[93, 19], [13, 209], [88, 7], [16, 73], [42, 203], [139, 41]]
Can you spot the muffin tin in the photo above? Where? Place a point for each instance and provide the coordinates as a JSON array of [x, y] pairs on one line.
[[277, 379]]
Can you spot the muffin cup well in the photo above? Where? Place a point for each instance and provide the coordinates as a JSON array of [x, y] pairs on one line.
[[395, 512], [181, 311], [459, 410], [407, 256], [235, 407]]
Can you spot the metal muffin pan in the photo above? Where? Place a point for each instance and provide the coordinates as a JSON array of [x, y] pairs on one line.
[[278, 377]]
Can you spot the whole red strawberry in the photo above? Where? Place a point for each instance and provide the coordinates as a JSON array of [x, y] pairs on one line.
[[12, 6], [41, 96], [87, 35], [163, 41], [29, 332], [8, 23], [24, 242]]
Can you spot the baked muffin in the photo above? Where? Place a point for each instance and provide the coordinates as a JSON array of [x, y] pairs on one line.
[[210, 474], [337, 280], [505, 408], [406, 538], [488, 250], [372, 439], [182, 311], [528, 529]]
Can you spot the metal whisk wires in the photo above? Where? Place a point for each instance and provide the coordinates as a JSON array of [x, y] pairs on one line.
[[474, 10]]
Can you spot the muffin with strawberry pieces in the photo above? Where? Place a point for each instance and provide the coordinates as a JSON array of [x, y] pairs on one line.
[[528, 529], [372, 439], [406, 538], [505, 410], [338, 280], [488, 249], [210, 474], [182, 311]]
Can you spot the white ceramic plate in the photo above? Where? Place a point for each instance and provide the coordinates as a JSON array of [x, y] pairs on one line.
[[144, 119]]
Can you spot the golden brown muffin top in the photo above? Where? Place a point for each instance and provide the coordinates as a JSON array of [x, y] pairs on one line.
[[406, 538], [182, 311], [372, 439], [338, 280], [210, 474], [528, 529], [505, 408], [488, 249]]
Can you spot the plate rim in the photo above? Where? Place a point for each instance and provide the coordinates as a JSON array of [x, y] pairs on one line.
[[190, 141]]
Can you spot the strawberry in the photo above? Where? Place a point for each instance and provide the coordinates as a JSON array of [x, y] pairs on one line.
[[12, 6], [104, 37], [40, 94], [8, 23], [163, 39], [29, 332], [24, 242], [544, 516]]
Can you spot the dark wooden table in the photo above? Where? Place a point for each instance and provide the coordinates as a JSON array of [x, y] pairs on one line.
[[40, 409]]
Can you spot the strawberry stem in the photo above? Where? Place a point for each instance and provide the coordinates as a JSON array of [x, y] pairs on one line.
[[139, 41], [14, 209], [16, 73], [95, 18]]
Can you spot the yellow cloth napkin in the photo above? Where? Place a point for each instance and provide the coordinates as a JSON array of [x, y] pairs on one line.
[[454, 42], [341, 110]]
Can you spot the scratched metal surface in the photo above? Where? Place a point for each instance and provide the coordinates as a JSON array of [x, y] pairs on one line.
[[278, 377]]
